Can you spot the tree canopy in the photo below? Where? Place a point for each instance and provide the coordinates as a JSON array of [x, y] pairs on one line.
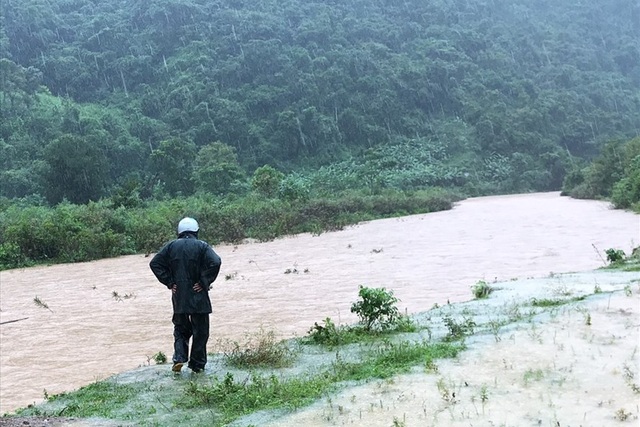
[[489, 96]]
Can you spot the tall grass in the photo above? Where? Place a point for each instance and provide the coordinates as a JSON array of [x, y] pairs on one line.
[[72, 233]]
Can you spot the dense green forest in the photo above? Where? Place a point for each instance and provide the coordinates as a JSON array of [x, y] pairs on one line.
[[133, 104]]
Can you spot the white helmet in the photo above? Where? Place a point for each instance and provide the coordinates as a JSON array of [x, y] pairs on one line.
[[188, 224]]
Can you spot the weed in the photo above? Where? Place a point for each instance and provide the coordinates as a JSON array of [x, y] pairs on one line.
[[484, 394], [398, 423], [615, 256], [627, 290], [622, 415], [628, 375], [531, 375], [37, 301], [587, 319], [445, 393], [513, 313], [494, 327], [458, 330], [328, 334], [597, 289], [430, 365], [481, 289], [160, 358], [546, 302], [259, 350]]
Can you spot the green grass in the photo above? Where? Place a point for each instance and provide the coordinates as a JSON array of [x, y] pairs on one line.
[[331, 335], [231, 399], [259, 350], [100, 399], [548, 302]]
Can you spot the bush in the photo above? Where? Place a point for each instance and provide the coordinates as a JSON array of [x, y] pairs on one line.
[[376, 308], [615, 256], [481, 289], [266, 180]]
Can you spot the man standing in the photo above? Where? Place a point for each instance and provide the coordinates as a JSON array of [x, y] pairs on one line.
[[188, 266]]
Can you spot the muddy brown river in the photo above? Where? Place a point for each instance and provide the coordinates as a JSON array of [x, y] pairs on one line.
[[286, 285]]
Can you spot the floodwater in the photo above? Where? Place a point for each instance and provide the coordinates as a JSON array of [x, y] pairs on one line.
[[110, 316]]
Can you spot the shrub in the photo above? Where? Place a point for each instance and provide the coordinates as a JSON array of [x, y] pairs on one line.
[[376, 308], [481, 289], [615, 255], [266, 180]]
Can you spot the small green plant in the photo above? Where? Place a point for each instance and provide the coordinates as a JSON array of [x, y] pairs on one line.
[[627, 290], [398, 423], [622, 415], [494, 327], [532, 375], [615, 256], [458, 330], [160, 358], [446, 393], [259, 350], [628, 375], [326, 334], [597, 289], [481, 289], [484, 394], [376, 308]]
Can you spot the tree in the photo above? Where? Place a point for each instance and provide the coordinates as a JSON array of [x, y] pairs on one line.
[[76, 170], [266, 180], [216, 168], [171, 164]]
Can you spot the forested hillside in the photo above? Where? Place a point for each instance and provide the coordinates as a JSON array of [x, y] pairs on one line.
[[160, 98]]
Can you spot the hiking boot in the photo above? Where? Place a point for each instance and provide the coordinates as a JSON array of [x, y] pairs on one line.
[[177, 367]]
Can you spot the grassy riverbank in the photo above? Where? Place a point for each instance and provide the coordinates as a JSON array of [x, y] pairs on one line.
[[243, 391]]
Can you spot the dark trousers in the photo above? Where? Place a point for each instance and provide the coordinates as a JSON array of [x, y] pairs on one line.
[[186, 326]]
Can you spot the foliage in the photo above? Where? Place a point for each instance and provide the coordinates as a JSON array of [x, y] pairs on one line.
[[70, 233], [216, 168], [232, 398], [89, 401], [614, 174], [458, 329], [260, 350], [615, 255], [331, 335], [413, 94], [376, 308], [266, 180], [481, 289], [160, 358]]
